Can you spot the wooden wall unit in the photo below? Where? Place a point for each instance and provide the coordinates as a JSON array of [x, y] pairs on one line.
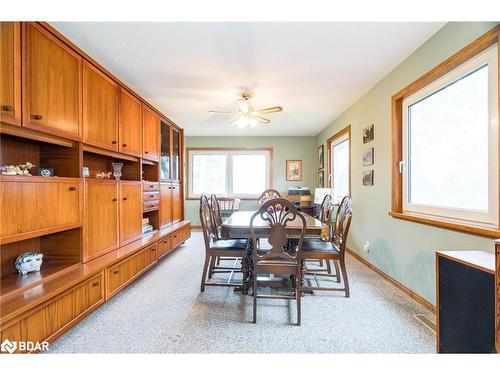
[[10, 74], [63, 110]]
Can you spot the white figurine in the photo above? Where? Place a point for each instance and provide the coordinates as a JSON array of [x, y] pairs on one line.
[[29, 262]]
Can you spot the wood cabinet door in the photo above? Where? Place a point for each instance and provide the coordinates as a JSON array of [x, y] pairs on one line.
[[52, 82], [130, 124], [150, 135], [100, 108], [10, 72], [130, 211], [101, 218], [165, 204], [177, 210], [33, 208]]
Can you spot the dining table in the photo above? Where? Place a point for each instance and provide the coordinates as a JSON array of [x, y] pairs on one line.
[[238, 226]]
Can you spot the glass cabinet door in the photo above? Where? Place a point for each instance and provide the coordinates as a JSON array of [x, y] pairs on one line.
[[176, 154], [165, 152]]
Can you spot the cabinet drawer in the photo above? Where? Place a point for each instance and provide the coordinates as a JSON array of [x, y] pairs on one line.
[[35, 205], [124, 272], [151, 186], [152, 205], [151, 196], [164, 246], [50, 321]]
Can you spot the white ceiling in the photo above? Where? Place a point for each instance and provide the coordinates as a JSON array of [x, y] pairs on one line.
[[314, 70]]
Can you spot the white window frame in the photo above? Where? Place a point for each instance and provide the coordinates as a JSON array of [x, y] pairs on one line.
[[490, 218], [229, 167], [345, 137]]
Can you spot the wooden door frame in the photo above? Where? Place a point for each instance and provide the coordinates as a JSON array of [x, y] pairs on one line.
[[346, 130]]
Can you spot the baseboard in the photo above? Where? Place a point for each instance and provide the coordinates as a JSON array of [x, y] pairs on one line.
[[421, 300], [196, 227]]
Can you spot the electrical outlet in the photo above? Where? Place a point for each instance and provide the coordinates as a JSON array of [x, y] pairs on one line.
[[366, 247]]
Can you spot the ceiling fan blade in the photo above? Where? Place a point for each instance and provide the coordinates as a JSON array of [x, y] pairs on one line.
[[269, 110], [262, 119], [234, 121], [224, 113]]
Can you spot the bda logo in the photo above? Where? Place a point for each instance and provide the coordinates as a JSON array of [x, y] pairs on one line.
[[8, 346]]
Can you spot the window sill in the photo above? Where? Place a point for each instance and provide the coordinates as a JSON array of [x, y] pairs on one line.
[[480, 231]]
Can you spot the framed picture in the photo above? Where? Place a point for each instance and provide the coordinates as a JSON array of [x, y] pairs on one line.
[[294, 170], [321, 157], [368, 157], [369, 134], [321, 179], [368, 177]]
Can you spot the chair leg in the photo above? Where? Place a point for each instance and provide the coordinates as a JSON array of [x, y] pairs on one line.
[[254, 298], [204, 274], [328, 267], [344, 276], [217, 262], [337, 270], [298, 295], [211, 269]]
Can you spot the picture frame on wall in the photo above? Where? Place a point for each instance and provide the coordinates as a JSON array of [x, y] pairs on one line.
[[321, 179], [294, 170], [368, 157], [368, 177], [321, 157], [369, 133]]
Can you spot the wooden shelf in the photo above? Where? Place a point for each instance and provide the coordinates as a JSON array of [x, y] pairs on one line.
[[109, 153], [16, 283]]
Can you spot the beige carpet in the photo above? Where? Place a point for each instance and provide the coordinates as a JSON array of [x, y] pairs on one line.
[[164, 312]]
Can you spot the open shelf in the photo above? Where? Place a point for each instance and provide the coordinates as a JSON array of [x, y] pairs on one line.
[[97, 163], [61, 253], [63, 160], [150, 171]]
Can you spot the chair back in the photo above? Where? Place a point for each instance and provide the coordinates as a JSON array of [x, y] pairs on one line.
[[207, 222], [326, 209], [277, 212], [342, 223], [216, 214], [267, 195]]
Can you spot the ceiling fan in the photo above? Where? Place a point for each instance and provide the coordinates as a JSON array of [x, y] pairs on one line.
[[247, 115]]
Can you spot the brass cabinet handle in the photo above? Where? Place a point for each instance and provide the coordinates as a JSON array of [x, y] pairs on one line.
[[7, 108], [124, 198], [146, 152], [152, 249], [124, 145], [37, 117], [95, 283], [116, 271], [114, 199], [72, 188], [114, 142]]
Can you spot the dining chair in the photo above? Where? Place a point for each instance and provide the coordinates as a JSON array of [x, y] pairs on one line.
[[215, 247], [279, 259], [333, 250], [228, 206], [266, 195], [217, 224]]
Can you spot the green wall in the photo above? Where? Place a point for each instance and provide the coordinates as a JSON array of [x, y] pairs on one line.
[[404, 250], [291, 148]]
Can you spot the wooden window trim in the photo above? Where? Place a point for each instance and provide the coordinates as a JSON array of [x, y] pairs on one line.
[[339, 134], [189, 197], [477, 46]]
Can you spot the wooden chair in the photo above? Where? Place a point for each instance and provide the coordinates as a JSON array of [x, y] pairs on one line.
[[228, 206], [266, 195], [278, 259], [333, 250], [217, 223], [215, 247]]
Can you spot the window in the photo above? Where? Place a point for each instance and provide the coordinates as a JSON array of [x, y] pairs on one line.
[[339, 163], [445, 136], [229, 172]]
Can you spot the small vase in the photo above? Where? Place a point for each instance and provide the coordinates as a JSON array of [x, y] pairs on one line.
[[117, 170]]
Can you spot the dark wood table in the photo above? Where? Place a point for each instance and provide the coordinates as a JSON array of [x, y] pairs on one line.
[[238, 226]]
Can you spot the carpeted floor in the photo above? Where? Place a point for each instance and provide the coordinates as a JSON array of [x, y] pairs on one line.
[[164, 312]]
